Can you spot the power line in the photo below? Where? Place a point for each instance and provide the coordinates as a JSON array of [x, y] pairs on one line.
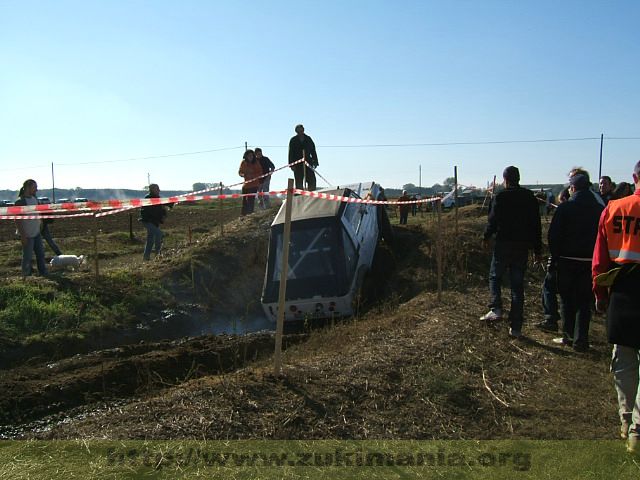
[[153, 156], [373, 145], [439, 144]]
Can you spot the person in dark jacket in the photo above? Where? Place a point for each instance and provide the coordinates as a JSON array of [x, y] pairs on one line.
[[606, 186], [514, 219], [623, 189], [152, 216], [550, 284], [404, 209], [301, 146], [267, 167], [572, 237]]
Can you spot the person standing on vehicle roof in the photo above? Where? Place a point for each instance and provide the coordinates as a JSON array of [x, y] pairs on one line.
[[302, 146]]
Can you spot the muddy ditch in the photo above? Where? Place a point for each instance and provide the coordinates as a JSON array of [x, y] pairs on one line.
[[32, 392], [170, 324]]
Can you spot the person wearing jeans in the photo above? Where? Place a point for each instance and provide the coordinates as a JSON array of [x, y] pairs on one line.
[[514, 219], [46, 236], [511, 256], [151, 217], [29, 231]]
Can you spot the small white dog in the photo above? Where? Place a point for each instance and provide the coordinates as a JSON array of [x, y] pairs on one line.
[[62, 262]]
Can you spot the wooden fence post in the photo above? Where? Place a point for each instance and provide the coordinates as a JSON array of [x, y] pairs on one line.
[[221, 214], [439, 247], [286, 238], [95, 246]]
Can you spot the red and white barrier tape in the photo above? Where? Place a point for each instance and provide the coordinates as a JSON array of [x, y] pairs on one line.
[[70, 210], [339, 198], [113, 206], [42, 217]]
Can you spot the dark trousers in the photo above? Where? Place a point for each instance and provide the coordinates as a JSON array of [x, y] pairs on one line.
[[550, 297], [511, 256], [248, 203], [404, 213], [46, 235], [574, 286], [299, 172]]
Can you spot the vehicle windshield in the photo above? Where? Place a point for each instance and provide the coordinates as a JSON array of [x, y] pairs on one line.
[[309, 254], [322, 261]]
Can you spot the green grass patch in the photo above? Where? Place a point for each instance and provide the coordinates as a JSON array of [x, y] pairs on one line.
[[493, 460], [45, 306]]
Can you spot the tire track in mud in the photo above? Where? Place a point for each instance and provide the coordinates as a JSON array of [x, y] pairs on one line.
[[33, 392]]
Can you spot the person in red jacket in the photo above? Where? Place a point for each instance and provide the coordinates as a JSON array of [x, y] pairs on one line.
[[616, 282], [251, 171]]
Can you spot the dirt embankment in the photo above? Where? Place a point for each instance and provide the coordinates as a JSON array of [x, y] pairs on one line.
[[412, 366]]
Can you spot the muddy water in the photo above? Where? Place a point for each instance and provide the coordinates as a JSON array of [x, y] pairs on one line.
[[185, 321], [192, 321]]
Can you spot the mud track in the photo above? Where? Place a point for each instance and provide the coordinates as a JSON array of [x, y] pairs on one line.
[[32, 392]]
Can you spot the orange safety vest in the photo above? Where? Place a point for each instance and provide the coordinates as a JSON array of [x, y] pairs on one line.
[[622, 225]]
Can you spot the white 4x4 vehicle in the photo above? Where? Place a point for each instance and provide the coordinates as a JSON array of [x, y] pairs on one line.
[[330, 253]]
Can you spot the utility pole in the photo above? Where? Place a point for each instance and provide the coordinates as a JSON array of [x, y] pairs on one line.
[[148, 179], [245, 146], [53, 185], [455, 196], [420, 189], [600, 169]]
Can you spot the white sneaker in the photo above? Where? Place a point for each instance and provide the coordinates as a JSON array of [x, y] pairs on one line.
[[624, 430], [515, 333], [492, 315]]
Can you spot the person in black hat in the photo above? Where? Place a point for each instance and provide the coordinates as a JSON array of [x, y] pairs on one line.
[[301, 146], [514, 219]]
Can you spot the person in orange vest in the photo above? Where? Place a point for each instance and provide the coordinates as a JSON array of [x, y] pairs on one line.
[[616, 282]]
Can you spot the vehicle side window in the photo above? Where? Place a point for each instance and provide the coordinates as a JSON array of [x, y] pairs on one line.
[[353, 214], [350, 255]]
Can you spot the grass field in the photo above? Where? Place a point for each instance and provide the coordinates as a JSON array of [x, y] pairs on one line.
[[411, 366]]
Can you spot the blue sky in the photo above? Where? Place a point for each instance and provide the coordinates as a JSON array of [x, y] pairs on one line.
[[86, 84]]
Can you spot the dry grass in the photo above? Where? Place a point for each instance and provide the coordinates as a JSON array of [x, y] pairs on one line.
[[410, 368]]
